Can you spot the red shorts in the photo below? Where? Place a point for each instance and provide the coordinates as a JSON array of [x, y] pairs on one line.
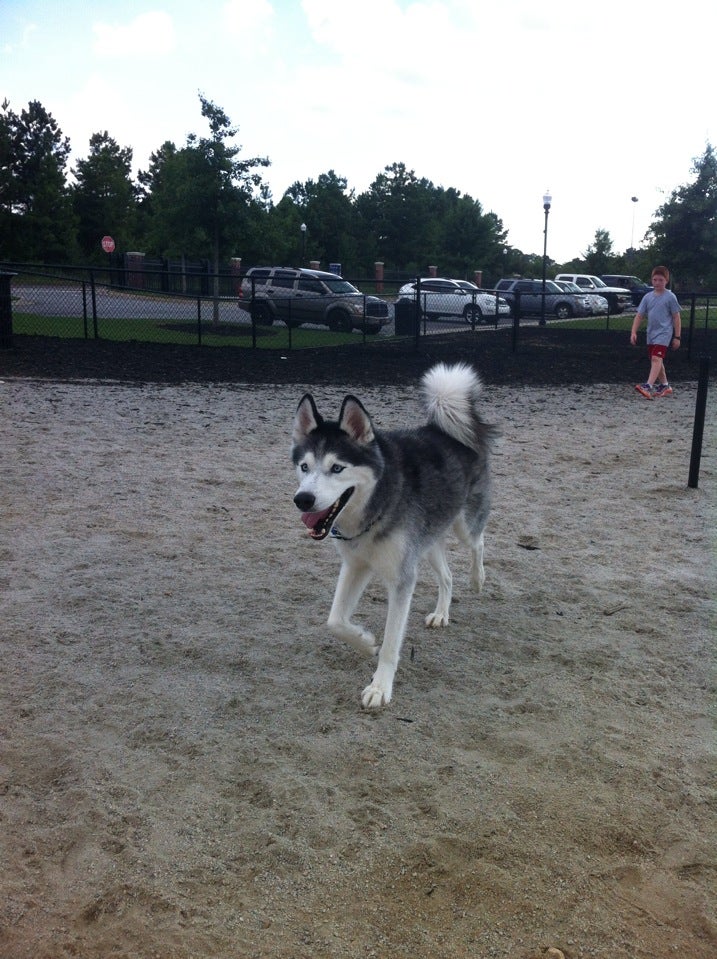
[[656, 349]]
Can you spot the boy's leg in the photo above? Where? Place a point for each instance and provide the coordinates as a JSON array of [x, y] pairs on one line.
[[657, 370]]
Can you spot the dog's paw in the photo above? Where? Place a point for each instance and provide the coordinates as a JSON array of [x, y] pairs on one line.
[[361, 639], [375, 696], [437, 619], [478, 577]]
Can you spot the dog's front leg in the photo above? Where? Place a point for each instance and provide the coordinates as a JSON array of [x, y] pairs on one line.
[[378, 692], [353, 580]]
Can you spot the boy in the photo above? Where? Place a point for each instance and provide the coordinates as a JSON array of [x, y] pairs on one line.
[[664, 326]]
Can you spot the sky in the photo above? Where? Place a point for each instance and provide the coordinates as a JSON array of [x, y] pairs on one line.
[[502, 100]]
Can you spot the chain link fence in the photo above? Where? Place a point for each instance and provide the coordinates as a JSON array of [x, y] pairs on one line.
[[214, 311]]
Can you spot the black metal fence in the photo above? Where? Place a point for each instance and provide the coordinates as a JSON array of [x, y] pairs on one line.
[[213, 310]]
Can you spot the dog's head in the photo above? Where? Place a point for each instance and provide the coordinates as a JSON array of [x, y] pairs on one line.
[[336, 462]]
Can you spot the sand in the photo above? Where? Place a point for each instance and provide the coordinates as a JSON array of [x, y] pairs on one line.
[[185, 769]]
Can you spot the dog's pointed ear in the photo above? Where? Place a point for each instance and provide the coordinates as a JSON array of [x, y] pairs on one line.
[[355, 421], [307, 418]]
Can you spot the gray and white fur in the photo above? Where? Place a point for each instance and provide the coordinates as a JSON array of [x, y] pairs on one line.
[[388, 499]]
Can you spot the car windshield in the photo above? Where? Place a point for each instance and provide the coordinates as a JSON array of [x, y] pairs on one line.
[[340, 286], [598, 282], [466, 285], [570, 287]]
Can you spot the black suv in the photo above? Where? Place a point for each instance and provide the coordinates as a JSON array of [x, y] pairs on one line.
[[636, 286], [299, 296]]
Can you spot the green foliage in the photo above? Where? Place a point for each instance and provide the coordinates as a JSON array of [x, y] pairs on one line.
[[104, 196], [205, 201], [599, 258], [684, 233], [36, 220]]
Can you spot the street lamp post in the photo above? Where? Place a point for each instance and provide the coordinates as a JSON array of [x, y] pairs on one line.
[[632, 231], [303, 243], [547, 199]]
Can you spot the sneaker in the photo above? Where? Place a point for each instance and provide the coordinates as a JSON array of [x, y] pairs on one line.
[[663, 389], [646, 390]]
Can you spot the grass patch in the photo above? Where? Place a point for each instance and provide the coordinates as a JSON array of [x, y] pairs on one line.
[[141, 330]]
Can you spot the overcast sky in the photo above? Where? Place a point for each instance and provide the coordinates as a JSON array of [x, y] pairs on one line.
[[501, 100]]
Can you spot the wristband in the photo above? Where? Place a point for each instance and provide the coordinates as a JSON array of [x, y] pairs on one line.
[[677, 338]]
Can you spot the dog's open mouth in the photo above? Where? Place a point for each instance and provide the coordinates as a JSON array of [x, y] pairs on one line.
[[319, 524]]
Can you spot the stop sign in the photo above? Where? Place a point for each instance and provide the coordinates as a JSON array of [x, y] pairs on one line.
[[108, 244]]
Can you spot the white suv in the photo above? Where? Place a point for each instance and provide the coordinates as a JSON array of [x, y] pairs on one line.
[[617, 297], [299, 296], [443, 297]]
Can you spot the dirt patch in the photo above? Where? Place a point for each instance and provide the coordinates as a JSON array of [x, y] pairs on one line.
[[185, 767]]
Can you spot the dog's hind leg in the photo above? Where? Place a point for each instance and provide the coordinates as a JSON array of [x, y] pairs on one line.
[[475, 543], [439, 564], [353, 580], [477, 568], [378, 692]]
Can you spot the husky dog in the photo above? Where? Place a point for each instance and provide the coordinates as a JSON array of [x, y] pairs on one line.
[[388, 499]]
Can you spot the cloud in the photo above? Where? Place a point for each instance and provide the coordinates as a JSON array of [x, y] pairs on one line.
[[149, 34]]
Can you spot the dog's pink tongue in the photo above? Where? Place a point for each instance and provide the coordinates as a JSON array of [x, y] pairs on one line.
[[312, 520]]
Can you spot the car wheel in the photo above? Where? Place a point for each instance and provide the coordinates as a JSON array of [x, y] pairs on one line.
[[473, 315], [563, 311], [262, 315], [372, 329], [340, 321]]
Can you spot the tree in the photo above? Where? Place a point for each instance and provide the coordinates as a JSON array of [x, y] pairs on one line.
[[469, 239], [36, 221], [200, 199], [104, 197], [684, 233], [395, 213], [599, 257], [325, 206]]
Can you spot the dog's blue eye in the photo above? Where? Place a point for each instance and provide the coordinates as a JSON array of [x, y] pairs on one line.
[[337, 468]]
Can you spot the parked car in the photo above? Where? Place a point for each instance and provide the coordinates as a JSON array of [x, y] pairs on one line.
[[618, 297], [597, 305], [445, 297], [558, 303], [299, 296], [637, 287]]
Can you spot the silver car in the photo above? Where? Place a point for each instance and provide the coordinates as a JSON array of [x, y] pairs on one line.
[[529, 296], [597, 305], [439, 297]]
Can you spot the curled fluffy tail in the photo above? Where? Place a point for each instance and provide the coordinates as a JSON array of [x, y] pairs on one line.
[[450, 395]]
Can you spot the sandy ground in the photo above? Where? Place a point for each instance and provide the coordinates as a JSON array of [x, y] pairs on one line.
[[185, 770]]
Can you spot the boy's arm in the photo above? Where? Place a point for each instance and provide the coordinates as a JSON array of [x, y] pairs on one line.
[[677, 329], [636, 324]]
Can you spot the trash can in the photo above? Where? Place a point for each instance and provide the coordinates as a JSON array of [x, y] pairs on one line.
[[406, 314]]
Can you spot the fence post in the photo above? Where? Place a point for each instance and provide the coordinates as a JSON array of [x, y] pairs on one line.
[[699, 425], [84, 309], [378, 273], [516, 320], [5, 311], [691, 327], [93, 293]]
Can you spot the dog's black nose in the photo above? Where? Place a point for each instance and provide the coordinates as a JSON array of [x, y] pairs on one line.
[[305, 501]]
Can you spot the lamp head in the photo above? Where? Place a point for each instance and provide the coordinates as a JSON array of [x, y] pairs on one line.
[[547, 200]]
